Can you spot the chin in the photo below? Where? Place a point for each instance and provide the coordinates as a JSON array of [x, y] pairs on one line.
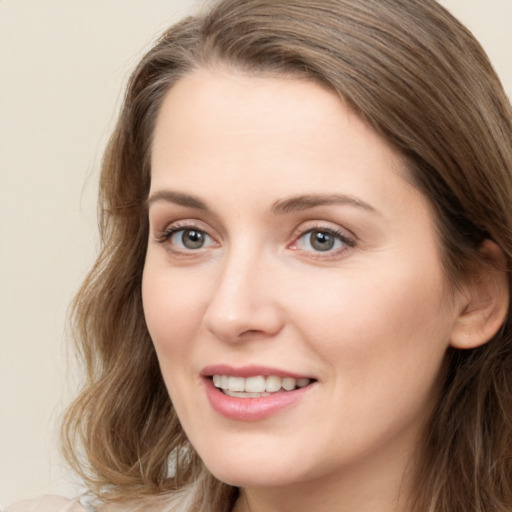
[[254, 477], [267, 472]]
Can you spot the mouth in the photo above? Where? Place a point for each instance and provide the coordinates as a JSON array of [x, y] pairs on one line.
[[254, 393], [257, 386]]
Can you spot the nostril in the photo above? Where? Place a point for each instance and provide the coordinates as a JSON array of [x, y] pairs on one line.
[[252, 333]]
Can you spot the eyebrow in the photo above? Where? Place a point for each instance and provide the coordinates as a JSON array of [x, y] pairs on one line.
[[304, 202], [179, 198], [281, 207]]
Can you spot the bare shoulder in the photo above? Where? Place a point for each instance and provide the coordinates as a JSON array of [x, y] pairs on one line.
[[47, 504]]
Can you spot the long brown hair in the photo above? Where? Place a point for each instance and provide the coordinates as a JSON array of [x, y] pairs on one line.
[[422, 81]]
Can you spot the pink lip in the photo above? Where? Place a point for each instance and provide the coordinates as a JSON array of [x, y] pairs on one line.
[[250, 409], [248, 371]]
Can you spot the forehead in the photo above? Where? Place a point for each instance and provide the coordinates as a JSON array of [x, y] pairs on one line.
[[233, 115], [227, 100], [247, 138]]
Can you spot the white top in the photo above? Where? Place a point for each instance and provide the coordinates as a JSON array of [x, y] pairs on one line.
[[47, 504]]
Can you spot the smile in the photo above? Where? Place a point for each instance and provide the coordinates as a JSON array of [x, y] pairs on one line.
[[254, 393], [257, 386]]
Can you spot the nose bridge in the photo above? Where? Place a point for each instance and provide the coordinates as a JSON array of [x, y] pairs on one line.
[[242, 301]]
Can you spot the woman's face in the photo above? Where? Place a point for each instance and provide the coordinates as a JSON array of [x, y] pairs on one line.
[[289, 257]]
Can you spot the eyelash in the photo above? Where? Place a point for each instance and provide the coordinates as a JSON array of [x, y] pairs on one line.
[[164, 237], [346, 241]]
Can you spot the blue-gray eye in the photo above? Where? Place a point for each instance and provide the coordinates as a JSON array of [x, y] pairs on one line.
[[190, 238], [321, 240]]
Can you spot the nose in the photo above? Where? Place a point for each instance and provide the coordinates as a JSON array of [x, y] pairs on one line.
[[244, 304]]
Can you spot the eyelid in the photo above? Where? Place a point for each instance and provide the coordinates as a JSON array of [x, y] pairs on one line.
[[162, 226], [327, 226], [348, 239], [179, 243], [163, 235]]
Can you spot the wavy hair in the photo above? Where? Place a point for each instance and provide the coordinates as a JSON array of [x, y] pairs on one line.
[[423, 82]]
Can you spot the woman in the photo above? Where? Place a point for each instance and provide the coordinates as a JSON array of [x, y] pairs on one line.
[[302, 298]]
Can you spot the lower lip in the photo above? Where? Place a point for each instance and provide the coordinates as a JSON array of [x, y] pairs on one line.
[[252, 409]]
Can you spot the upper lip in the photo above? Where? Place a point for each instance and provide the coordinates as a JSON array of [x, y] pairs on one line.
[[249, 371]]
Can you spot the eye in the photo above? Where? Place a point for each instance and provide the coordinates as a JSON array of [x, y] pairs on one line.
[[190, 238], [186, 239], [323, 240]]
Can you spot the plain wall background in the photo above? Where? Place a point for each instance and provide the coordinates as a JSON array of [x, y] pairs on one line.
[[63, 64]]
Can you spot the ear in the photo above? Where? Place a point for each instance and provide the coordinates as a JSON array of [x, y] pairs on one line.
[[484, 303]]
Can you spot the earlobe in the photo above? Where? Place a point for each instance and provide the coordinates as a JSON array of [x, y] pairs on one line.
[[486, 298]]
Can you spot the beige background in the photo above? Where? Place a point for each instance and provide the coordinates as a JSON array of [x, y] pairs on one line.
[[62, 66]]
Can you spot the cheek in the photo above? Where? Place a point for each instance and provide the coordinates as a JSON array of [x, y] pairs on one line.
[[173, 308], [173, 311], [380, 330], [382, 343]]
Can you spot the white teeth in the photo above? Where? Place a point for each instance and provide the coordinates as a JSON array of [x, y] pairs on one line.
[[302, 382], [236, 384], [288, 383], [254, 387], [245, 395], [255, 384], [273, 383]]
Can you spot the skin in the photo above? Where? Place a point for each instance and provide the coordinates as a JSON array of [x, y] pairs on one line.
[[370, 319]]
